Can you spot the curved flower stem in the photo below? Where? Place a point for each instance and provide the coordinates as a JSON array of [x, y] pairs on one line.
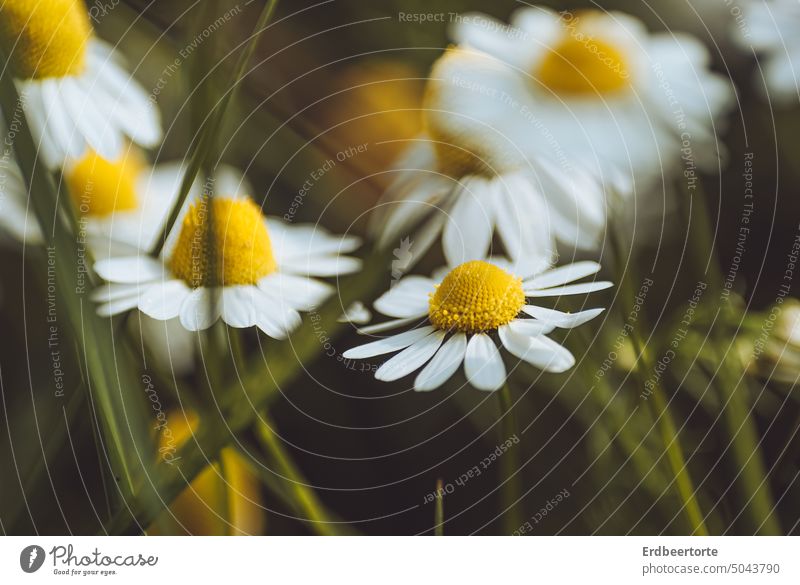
[[512, 486], [259, 385], [303, 496], [658, 402]]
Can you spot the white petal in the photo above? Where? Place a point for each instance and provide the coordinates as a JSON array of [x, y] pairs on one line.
[[468, 231], [293, 241], [171, 346], [123, 99], [542, 352], [239, 305], [530, 327], [230, 182], [279, 322], [112, 292], [522, 223], [297, 292], [117, 306], [357, 313], [563, 274], [91, 122], [483, 364], [389, 344], [386, 326], [443, 365], [61, 121], [407, 298], [407, 202], [559, 319], [48, 148], [322, 266], [410, 358], [198, 312], [163, 300], [130, 269], [571, 289]]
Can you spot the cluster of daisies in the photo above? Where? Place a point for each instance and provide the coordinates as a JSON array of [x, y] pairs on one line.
[[89, 117], [535, 132]]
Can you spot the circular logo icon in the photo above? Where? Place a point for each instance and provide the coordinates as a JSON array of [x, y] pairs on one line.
[[31, 558]]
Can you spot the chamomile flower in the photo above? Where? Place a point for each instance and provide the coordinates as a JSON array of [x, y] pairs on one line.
[[75, 92], [537, 122], [613, 96], [127, 202], [244, 268], [465, 192], [770, 29], [120, 204], [459, 314]]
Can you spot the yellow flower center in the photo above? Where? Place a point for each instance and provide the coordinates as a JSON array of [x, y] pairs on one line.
[[476, 296], [582, 65], [99, 187], [236, 250], [45, 38]]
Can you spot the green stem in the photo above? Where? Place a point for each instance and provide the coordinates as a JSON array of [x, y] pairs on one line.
[[305, 498], [258, 387], [512, 485], [438, 517], [657, 401], [209, 133], [757, 504], [107, 375]]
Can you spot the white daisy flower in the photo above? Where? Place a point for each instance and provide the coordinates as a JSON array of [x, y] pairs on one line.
[[460, 315], [770, 29], [488, 187], [259, 271], [613, 96], [120, 204], [537, 120], [75, 92]]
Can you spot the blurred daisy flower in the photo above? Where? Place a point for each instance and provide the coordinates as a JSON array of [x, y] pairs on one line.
[[528, 126], [245, 268], [224, 499], [463, 310], [775, 356], [121, 204], [75, 92], [615, 97], [466, 170], [770, 28]]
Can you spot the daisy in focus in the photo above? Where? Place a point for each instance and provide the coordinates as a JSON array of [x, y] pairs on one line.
[[75, 92], [242, 267], [459, 314], [770, 29]]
